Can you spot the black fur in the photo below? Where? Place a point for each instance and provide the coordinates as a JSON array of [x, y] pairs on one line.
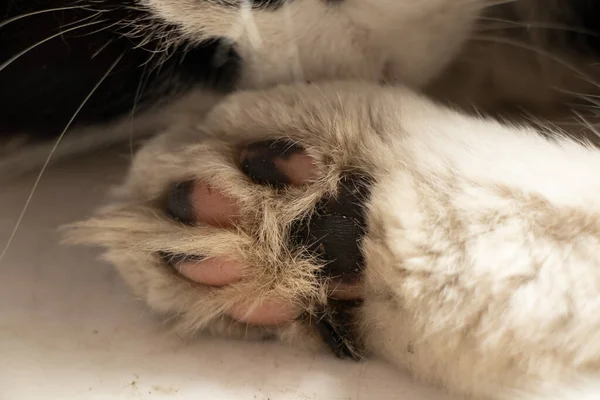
[[40, 91], [584, 17]]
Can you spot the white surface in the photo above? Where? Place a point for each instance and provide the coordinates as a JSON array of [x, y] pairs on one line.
[[69, 329]]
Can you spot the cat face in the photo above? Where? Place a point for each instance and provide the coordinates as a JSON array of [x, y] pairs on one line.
[[281, 41]]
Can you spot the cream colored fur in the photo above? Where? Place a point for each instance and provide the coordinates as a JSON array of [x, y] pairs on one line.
[[462, 51], [483, 247], [314, 39], [406, 40], [483, 244]]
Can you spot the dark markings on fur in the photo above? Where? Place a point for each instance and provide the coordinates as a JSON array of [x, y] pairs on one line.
[[258, 161], [179, 203], [40, 91]]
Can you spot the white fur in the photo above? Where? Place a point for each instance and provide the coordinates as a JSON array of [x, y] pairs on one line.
[[409, 40], [432, 45], [483, 251], [483, 245], [487, 237]]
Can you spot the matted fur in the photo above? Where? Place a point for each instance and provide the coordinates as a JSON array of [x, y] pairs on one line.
[[483, 245]]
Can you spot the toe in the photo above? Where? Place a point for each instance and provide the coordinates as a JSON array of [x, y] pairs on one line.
[[298, 167], [216, 271], [267, 312], [212, 206], [346, 290], [195, 202], [277, 163]]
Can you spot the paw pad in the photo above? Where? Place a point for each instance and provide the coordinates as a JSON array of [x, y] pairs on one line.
[[333, 232], [179, 203]]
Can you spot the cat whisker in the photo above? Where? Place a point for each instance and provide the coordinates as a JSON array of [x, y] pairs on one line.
[[587, 124], [161, 38], [33, 46], [99, 30], [532, 25], [105, 45], [584, 96], [546, 54], [96, 14], [593, 99], [38, 12], [51, 154], [492, 3], [138, 94], [162, 51]]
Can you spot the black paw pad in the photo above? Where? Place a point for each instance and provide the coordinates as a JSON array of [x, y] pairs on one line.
[[179, 205], [333, 234], [258, 161], [334, 231]]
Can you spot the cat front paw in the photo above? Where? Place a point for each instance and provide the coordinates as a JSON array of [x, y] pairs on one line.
[[251, 223]]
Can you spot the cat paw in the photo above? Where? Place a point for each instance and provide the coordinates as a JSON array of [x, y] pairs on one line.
[[321, 246], [251, 223]]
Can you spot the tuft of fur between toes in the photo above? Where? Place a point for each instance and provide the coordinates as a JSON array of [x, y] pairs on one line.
[[303, 241]]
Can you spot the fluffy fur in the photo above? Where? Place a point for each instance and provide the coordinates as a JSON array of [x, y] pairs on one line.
[[370, 39], [506, 57], [299, 40], [481, 252]]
